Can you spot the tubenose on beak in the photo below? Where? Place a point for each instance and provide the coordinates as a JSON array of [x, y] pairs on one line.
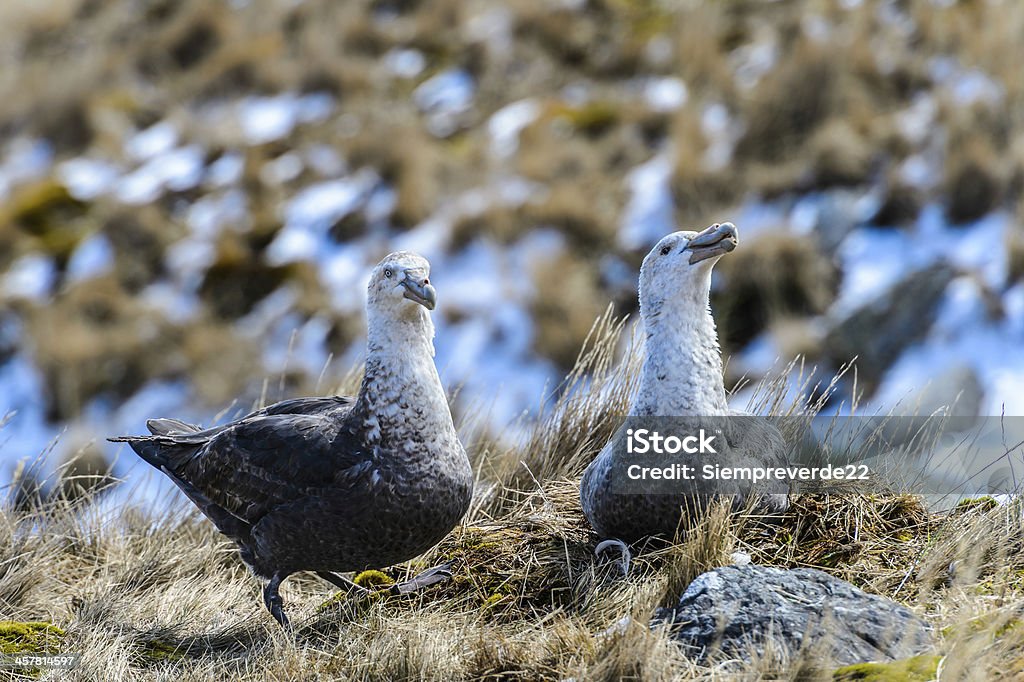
[[420, 290], [716, 240]]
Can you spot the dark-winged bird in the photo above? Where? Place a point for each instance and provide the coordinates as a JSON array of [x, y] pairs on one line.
[[336, 484]]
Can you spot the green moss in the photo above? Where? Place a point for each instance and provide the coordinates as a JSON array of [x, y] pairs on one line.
[[31, 203], [47, 211], [374, 581], [494, 600], [502, 593], [162, 651], [592, 118], [31, 637], [980, 503], [916, 669], [479, 551], [371, 579], [338, 598], [996, 625], [645, 19]]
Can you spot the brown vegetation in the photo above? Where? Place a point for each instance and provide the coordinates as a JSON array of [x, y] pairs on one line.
[[776, 275], [973, 183], [564, 307]]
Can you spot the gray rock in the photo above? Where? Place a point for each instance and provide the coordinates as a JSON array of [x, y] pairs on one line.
[[954, 395], [877, 333], [734, 610], [836, 213], [955, 392]]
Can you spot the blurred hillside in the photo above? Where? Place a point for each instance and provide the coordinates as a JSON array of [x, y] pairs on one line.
[[192, 193]]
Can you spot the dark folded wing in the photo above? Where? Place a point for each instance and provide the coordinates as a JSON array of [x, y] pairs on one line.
[[237, 472], [265, 461]]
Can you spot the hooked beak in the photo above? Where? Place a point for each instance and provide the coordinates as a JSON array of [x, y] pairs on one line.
[[420, 290], [717, 240]]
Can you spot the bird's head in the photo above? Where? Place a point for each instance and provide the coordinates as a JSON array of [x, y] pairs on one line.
[[400, 284], [678, 268]]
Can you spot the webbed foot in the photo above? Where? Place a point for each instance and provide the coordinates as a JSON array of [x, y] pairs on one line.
[[431, 576]]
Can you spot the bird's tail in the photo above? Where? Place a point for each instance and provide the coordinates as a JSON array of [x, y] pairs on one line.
[[167, 445], [156, 450], [173, 442]]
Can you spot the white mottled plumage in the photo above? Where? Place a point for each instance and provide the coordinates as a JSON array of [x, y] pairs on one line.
[[402, 390], [681, 377]]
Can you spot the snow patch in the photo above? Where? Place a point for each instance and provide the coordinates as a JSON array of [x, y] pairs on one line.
[[405, 63], [176, 170], [86, 179], [207, 217], [443, 98], [226, 170], [26, 159], [157, 139], [665, 94], [507, 123], [648, 215], [30, 277], [26, 433], [722, 132], [92, 257], [265, 119], [281, 170]]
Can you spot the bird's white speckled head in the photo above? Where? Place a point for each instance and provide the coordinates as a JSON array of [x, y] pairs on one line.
[[400, 285], [678, 268], [399, 298]]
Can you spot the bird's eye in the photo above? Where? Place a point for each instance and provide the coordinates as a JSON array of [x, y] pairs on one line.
[[387, 273], [665, 250]]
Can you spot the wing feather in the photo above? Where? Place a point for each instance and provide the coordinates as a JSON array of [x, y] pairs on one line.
[[270, 460], [272, 457]]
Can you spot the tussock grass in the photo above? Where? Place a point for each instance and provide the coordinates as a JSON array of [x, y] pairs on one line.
[[149, 590]]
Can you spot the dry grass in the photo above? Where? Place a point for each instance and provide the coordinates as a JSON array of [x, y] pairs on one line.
[[147, 590]]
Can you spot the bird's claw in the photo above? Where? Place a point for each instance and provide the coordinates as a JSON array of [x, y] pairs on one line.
[[625, 556], [277, 611]]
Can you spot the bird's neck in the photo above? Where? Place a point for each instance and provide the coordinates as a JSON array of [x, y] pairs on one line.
[[411, 332], [401, 386], [682, 370]]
